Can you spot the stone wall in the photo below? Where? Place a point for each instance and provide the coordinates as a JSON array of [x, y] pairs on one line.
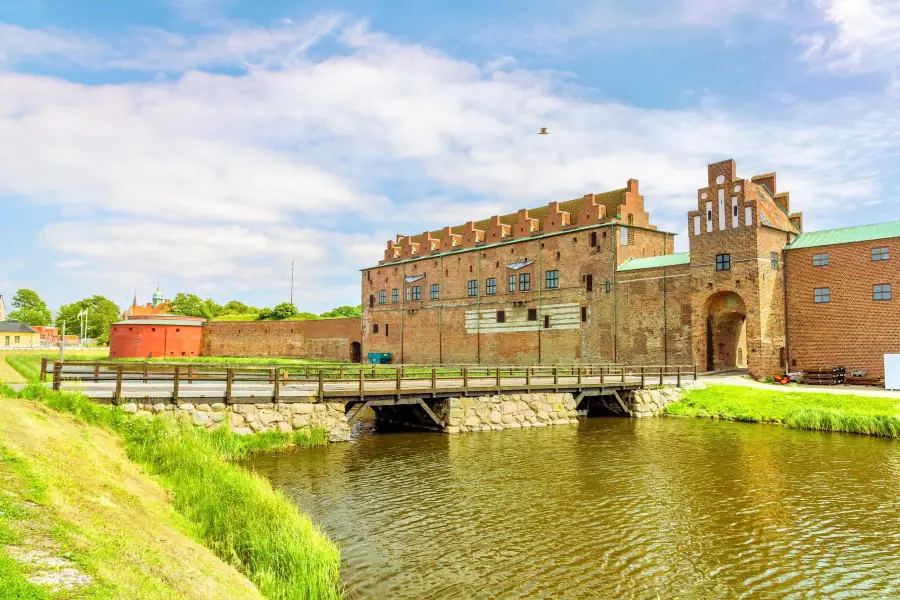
[[327, 339], [244, 419], [508, 411], [652, 402]]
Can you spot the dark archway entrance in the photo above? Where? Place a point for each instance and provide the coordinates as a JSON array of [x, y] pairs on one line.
[[356, 352], [726, 332]]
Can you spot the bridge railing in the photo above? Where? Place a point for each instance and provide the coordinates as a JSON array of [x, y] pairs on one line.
[[352, 380]]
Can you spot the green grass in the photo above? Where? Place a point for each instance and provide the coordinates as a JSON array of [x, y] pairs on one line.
[[238, 317], [13, 584], [28, 365], [235, 513], [800, 410]]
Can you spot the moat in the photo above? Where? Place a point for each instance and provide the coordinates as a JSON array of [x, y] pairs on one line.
[[668, 508]]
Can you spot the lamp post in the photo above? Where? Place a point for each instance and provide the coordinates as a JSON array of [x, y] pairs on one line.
[[292, 280]]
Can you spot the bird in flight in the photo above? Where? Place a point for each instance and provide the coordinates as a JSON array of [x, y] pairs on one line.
[[543, 131]]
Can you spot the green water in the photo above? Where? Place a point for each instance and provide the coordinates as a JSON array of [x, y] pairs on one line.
[[609, 508]]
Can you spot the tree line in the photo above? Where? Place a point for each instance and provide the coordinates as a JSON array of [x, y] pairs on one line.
[[29, 308]]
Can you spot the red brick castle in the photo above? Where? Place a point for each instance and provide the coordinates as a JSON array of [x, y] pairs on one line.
[[593, 281]]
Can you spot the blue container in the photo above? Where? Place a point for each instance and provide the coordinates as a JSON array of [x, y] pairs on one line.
[[379, 358]]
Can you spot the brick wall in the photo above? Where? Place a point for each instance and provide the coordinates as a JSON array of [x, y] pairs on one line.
[[852, 330], [458, 328], [328, 339]]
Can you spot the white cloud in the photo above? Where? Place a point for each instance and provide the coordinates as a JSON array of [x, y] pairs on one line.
[[218, 180], [859, 36]]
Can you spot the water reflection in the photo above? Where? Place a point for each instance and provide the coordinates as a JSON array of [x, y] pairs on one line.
[[609, 508]]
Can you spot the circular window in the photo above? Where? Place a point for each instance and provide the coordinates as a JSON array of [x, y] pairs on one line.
[[737, 189], [704, 196], [720, 179]]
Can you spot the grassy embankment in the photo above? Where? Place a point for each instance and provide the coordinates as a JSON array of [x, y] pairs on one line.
[[800, 410], [233, 512]]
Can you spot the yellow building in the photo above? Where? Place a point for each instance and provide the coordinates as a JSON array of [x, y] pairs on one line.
[[14, 334]]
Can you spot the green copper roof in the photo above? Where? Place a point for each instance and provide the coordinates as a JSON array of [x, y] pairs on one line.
[[656, 262], [846, 235]]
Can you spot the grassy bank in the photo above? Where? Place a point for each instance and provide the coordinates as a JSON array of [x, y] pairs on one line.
[[801, 410], [231, 511], [76, 513], [28, 363]]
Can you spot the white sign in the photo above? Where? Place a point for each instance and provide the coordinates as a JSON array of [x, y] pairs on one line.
[[892, 371]]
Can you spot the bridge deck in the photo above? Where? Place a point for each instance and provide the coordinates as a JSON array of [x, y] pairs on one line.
[[255, 385]]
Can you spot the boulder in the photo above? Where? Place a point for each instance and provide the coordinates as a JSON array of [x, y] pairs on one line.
[[204, 407], [186, 407], [200, 418], [302, 409], [472, 422], [218, 406], [285, 427], [130, 408], [241, 430], [218, 417], [159, 408], [451, 429], [496, 417]]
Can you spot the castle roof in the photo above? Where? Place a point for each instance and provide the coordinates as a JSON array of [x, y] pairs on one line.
[[656, 262], [771, 211], [847, 235], [611, 200]]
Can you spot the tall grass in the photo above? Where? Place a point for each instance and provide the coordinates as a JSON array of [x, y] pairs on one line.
[[29, 365], [235, 513], [800, 410]]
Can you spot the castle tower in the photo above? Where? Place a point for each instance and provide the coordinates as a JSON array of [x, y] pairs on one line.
[[737, 236]]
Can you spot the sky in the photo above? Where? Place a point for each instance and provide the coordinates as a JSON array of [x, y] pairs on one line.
[[204, 145]]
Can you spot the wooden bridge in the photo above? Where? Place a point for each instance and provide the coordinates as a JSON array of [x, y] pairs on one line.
[[124, 381]]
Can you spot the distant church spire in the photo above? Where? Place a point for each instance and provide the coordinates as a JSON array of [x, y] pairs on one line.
[[157, 297]]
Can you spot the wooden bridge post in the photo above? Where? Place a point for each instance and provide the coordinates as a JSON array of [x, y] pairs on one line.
[[695, 372], [679, 375], [322, 385], [465, 376], [602, 375], [643, 378], [229, 381], [96, 373], [190, 374], [341, 372], [662, 375], [556, 377], [145, 372], [276, 374], [57, 375], [433, 378], [176, 387], [399, 374], [499, 385], [579, 378], [528, 379], [118, 395], [43, 369], [362, 384]]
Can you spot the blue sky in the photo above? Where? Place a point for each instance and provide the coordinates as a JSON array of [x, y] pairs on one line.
[[204, 144]]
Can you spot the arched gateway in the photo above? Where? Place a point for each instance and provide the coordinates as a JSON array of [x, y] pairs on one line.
[[726, 332]]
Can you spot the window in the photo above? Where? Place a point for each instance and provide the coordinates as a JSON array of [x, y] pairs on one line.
[[608, 286], [177, 330], [473, 287], [375, 328], [593, 239], [624, 232], [395, 295], [525, 282], [435, 291], [552, 278], [723, 262], [774, 257], [880, 254], [382, 297], [823, 295], [387, 329], [490, 287], [408, 293], [882, 292], [371, 300], [532, 314], [512, 283], [501, 316], [820, 260], [584, 314], [546, 321], [558, 255], [7, 340], [589, 283], [17, 340], [417, 292]]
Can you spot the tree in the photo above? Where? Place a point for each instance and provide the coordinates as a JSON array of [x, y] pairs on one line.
[[265, 313], [191, 305], [305, 316], [343, 312], [236, 307], [285, 310], [30, 309], [102, 312]]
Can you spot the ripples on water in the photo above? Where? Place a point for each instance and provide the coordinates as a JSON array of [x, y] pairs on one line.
[[610, 508]]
